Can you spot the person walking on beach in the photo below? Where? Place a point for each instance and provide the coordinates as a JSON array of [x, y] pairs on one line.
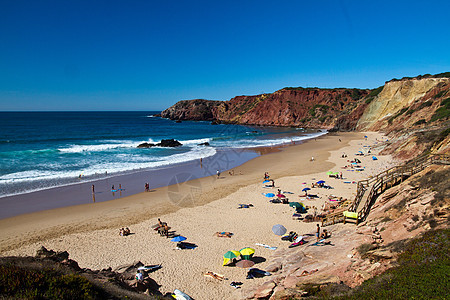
[[218, 173], [93, 189], [318, 232]]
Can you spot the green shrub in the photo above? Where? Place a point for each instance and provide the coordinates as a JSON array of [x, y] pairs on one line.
[[425, 104], [420, 122], [440, 94], [422, 273], [441, 113], [43, 284], [403, 110]]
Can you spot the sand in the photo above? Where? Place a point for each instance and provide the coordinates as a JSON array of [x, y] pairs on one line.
[[197, 209]]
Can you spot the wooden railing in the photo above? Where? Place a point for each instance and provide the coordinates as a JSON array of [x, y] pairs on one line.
[[376, 185]]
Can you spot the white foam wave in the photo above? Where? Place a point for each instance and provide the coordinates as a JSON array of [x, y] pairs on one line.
[[135, 164], [106, 145], [195, 142], [253, 143]]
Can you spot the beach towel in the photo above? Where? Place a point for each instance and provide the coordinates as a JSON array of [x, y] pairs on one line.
[[350, 214], [266, 246]]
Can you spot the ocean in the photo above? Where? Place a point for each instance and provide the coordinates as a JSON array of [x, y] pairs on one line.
[[41, 150]]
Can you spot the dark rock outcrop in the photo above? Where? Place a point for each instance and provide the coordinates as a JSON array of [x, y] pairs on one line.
[[163, 143]]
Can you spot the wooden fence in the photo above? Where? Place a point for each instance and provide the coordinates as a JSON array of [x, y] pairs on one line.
[[369, 189]]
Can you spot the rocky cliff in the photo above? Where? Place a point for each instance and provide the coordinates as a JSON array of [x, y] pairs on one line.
[[305, 107], [195, 110], [406, 103]]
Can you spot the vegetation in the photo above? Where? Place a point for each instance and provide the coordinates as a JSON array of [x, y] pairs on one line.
[[403, 110], [420, 122], [423, 272], [440, 75], [440, 94], [373, 94], [424, 265], [442, 112], [21, 283], [425, 104]]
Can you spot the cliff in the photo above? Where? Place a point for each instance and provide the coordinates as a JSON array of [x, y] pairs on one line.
[[195, 110], [405, 103]]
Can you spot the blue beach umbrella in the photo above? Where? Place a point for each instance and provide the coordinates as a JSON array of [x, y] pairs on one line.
[[279, 229], [374, 158], [178, 239], [320, 181], [305, 189], [266, 181], [268, 195]]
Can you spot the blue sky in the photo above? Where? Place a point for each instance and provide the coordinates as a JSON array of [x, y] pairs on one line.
[[147, 55]]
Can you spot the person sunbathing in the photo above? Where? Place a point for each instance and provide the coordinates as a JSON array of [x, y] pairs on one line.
[[126, 231], [214, 275], [223, 234]]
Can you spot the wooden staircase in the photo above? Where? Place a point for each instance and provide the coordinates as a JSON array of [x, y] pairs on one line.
[[368, 190]]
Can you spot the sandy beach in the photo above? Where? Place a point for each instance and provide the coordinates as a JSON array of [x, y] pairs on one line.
[[197, 209]]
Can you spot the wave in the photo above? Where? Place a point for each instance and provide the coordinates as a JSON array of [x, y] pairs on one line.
[[112, 168], [254, 143]]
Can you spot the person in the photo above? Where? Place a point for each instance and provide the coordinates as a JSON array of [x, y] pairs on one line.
[[340, 175], [201, 162], [121, 231], [93, 189], [325, 234], [273, 183], [312, 158], [266, 176], [139, 276], [126, 231], [318, 232], [112, 188], [218, 173], [147, 187]]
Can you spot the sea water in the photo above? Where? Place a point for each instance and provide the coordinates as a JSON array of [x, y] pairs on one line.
[[39, 150]]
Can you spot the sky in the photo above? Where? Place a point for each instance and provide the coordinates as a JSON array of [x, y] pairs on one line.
[[147, 55]]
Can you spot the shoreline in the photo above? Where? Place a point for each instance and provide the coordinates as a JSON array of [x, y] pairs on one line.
[[113, 211], [196, 209]]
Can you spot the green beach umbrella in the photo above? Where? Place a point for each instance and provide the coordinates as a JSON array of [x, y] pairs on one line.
[[229, 256], [329, 173]]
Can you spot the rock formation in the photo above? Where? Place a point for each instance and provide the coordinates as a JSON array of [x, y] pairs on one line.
[[163, 143], [409, 102]]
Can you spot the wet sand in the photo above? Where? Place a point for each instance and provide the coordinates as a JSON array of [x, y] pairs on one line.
[[196, 209]]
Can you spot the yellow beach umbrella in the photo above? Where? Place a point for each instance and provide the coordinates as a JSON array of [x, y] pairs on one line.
[[247, 252]]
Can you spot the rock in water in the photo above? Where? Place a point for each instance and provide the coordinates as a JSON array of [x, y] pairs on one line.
[[169, 143], [146, 145]]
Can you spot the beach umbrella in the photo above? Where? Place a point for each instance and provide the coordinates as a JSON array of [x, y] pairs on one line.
[[229, 256], [178, 239], [329, 173], [295, 205], [374, 158], [320, 181], [268, 195], [245, 264], [281, 196], [279, 229], [266, 181], [247, 252], [305, 189]]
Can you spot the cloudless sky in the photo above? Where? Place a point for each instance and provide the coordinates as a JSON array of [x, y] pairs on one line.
[[147, 55]]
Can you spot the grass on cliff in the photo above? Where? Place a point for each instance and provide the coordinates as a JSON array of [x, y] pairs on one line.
[[423, 273], [20, 283]]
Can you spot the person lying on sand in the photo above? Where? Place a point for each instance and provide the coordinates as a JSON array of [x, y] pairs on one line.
[[223, 234], [214, 275]]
